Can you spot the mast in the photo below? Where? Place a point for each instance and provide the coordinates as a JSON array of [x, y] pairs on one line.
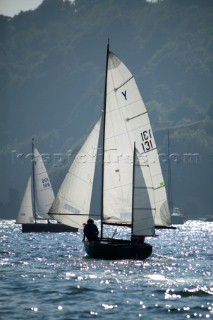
[[33, 181], [133, 193], [169, 177], [103, 142]]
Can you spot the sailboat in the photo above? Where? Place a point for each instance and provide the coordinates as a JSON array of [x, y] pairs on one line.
[[133, 192], [38, 197], [72, 203], [177, 217]]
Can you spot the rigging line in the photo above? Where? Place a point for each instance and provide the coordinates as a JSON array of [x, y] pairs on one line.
[[124, 83], [138, 115], [114, 233]]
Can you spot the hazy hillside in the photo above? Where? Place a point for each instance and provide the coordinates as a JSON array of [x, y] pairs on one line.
[[52, 63]]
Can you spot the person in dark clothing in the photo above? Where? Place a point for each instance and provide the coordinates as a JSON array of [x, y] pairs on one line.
[[90, 231], [138, 239]]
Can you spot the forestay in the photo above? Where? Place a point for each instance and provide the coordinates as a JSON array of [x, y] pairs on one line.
[[72, 203]]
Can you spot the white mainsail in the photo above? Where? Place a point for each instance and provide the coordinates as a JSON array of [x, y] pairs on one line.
[[44, 195], [38, 188], [25, 214], [72, 203], [127, 123]]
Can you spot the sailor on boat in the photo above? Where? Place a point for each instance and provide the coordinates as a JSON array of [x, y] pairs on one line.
[[90, 231], [138, 239]]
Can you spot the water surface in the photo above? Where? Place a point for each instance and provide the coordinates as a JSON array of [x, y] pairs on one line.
[[48, 276]]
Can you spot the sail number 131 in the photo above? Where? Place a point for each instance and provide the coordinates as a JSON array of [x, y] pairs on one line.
[[146, 144]]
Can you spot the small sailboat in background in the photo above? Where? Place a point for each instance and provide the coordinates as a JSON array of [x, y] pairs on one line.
[[177, 217], [38, 197], [207, 218]]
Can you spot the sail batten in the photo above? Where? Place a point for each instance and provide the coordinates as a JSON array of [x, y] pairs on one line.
[[123, 83], [138, 115]]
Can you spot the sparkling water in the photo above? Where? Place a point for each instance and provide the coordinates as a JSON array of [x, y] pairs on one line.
[[48, 276]]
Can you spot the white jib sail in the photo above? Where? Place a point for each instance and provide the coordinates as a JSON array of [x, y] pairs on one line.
[[44, 195], [143, 222], [127, 122], [72, 203], [25, 214]]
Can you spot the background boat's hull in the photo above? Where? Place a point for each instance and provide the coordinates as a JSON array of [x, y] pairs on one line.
[[209, 219], [178, 219], [113, 250], [47, 227]]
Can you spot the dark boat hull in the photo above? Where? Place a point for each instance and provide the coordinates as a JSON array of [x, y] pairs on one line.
[[47, 227], [178, 220], [109, 249]]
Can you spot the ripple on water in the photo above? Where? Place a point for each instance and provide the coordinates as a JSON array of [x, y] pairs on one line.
[[47, 276]]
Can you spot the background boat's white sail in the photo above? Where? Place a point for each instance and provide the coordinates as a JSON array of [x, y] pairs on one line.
[[72, 203], [127, 122], [43, 192], [25, 214], [143, 222]]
